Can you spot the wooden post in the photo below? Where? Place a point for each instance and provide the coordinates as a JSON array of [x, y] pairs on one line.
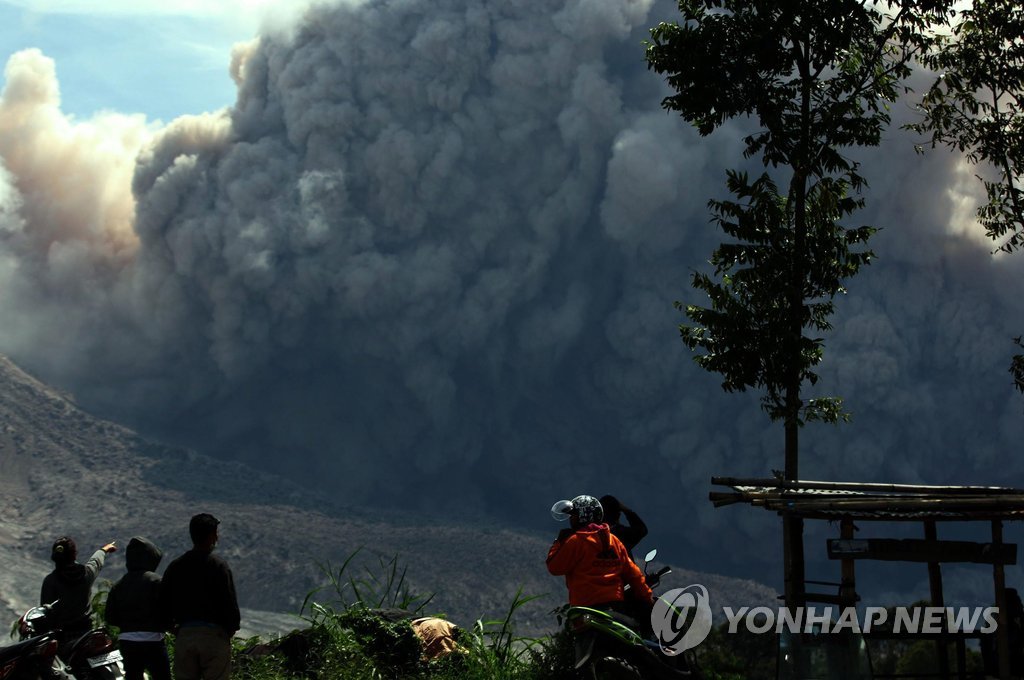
[[848, 580], [1003, 631], [961, 658], [938, 600]]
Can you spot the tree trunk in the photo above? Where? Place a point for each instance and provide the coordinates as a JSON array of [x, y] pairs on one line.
[[793, 530]]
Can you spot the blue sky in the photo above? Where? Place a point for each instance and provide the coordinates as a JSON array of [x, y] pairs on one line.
[[163, 59]]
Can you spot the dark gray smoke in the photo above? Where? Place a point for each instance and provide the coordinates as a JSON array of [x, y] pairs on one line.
[[428, 259]]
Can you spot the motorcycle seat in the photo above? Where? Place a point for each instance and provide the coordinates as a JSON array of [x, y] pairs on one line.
[[625, 619], [18, 649]]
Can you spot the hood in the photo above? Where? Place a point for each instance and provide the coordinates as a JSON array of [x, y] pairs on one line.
[[595, 530], [142, 555]]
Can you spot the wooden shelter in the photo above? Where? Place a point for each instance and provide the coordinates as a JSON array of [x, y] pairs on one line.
[[849, 502]]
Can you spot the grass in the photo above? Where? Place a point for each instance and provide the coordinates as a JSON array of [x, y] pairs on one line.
[[358, 627]]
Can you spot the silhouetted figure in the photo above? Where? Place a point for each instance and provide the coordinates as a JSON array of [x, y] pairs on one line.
[[133, 605], [630, 534], [70, 585], [198, 599]]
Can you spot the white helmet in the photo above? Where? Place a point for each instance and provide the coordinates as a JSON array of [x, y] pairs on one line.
[[587, 509]]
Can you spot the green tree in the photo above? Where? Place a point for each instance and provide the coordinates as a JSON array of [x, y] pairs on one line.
[[976, 105], [817, 79]]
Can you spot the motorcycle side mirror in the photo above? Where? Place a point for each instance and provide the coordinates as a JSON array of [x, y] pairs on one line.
[[651, 555]]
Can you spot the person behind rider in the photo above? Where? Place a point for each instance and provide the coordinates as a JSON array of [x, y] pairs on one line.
[[631, 533], [594, 562], [69, 585]]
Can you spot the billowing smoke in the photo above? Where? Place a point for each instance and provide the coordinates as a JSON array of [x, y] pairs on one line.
[[428, 260]]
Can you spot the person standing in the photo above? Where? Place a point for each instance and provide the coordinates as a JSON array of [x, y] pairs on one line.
[[133, 605], [631, 533], [69, 585], [198, 599]]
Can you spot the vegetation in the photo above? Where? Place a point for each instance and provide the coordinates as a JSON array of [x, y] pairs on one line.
[[738, 656], [976, 105], [359, 626], [816, 79], [813, 81], [353, 633]]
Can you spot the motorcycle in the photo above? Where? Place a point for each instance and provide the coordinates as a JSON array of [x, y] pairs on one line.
[[87, 656], [609, 645], [31, 659]]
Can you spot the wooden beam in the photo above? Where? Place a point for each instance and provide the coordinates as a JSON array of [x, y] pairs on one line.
[[921, 550], [865, 486], [894, 504], [830, 598]]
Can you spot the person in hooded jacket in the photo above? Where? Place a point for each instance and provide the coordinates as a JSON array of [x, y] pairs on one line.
[[133, 605], [594, 562], [69, 585]]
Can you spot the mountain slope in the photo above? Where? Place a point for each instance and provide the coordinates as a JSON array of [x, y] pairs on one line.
[[63, 471]]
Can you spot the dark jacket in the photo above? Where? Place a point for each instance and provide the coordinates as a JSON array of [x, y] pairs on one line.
[[133, 603], [198, 588], [632, 533], [70, 586]]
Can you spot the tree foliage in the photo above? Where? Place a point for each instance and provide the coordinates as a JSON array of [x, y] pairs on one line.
[[747, 313], [816, 79], [976, 105]]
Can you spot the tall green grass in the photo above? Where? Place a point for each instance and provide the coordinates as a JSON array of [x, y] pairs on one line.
[[350, 635]]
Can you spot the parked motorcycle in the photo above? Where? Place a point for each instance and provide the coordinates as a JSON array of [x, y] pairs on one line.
[[31, 659], [85, 656], [611, 645]]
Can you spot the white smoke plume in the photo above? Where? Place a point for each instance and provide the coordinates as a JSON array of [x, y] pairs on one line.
[[430, 255]]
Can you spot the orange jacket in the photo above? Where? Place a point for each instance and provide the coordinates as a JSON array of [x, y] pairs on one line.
[[596, 566]]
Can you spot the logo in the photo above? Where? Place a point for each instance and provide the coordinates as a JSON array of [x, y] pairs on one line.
[[912, 620], [681, 619]]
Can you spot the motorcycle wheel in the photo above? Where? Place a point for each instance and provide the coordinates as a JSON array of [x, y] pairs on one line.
[[613, 668]]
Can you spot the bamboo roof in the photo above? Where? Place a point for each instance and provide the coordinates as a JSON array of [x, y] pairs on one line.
[[872, 501]]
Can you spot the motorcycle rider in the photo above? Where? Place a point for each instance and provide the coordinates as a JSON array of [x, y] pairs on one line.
[[595, 563], [70, 586]]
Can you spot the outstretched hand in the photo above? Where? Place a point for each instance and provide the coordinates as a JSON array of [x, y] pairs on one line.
[[109, 548]]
